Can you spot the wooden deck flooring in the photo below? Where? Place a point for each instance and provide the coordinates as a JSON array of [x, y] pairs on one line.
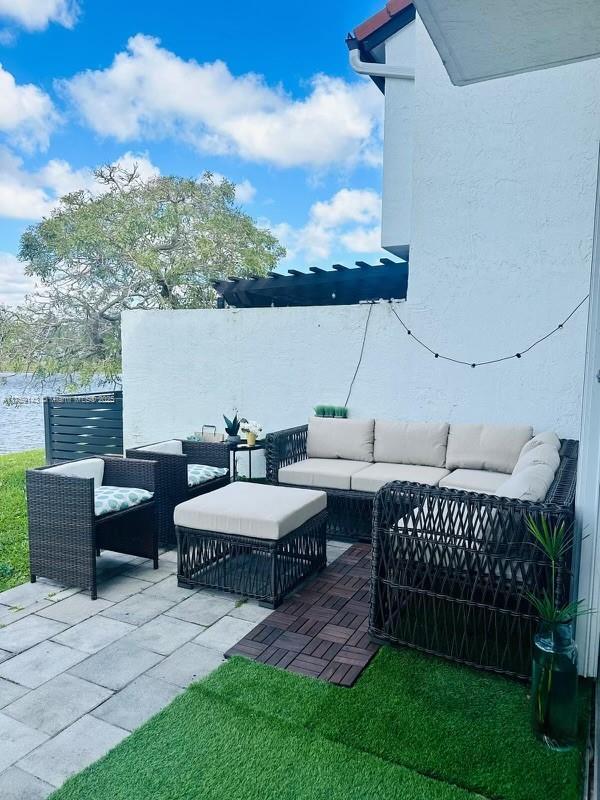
[[320, 631]]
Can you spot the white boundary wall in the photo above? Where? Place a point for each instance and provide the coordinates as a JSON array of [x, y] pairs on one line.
[[182, 369]]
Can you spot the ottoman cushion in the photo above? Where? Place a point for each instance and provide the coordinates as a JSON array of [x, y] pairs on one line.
[[251, 509]]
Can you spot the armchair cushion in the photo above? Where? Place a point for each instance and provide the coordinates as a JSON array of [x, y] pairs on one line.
[[172, 447], [325, 473], [84, 468], [422, 443], [474, 480], [490, 447], [351, 439], [117, 498], [373, 477], [201, 473]]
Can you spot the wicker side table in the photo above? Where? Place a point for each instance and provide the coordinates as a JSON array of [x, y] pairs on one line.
[[250, 549]]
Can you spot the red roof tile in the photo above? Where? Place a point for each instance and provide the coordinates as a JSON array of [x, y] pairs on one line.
[[381, 18]]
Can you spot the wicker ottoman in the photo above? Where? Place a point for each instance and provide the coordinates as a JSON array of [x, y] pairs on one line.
[[255, 540]]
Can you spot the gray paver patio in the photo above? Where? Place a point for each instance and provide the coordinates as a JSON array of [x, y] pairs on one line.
[[18, 785], [72, 750], [139, 701], [77, 675]]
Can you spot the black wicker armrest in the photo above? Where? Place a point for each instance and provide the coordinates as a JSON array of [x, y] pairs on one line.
[[59, 500], [283, 448], [134, 472], [213, 454]]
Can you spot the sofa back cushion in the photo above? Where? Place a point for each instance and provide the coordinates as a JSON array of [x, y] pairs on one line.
[[544, 454], [84, 468], [546, 437], [172, 447], [340, 438], [531, 483], [419, 443], [493, 447]]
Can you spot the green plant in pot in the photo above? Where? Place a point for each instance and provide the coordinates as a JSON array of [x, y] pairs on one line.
[[554, 674], [232, 428]]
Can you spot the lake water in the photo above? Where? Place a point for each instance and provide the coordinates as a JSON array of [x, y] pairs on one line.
[[22, 426]]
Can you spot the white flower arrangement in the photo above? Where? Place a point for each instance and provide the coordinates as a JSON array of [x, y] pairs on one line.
[[250, 426]]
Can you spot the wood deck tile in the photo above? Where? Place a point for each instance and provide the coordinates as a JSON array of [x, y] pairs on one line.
[[321, 631]]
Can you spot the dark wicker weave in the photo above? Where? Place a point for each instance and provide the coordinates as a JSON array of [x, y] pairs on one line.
[[261, 568], [451, 570], [64, 534], [172, 481]]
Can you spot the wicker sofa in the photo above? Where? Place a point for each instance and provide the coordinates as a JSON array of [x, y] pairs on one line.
[[352, 459], [453, 563], [81, 507], [176, 481]]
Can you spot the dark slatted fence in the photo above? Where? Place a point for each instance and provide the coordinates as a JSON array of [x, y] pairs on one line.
[[80, 425]]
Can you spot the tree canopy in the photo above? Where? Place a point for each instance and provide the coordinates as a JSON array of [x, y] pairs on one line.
[[131, 243]]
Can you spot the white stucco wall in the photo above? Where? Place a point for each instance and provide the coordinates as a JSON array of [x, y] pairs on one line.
[[398, 150]]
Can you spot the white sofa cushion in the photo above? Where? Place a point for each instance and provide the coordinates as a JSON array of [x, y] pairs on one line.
[[85, 468], [340, 438], [251, 509], [546, 437], [172, 447], [373, 477], [422, 443], [531, 483], [490, 447], [108, 499], [543, 454], [329, 473], [474, 480]]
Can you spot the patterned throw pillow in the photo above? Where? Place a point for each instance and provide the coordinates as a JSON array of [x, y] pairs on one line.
[[118, 498], [200, 473]]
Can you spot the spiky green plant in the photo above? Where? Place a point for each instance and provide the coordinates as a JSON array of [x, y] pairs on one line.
[[232, 426]]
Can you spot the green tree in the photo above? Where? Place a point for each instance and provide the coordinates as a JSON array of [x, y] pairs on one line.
[[132, 243]]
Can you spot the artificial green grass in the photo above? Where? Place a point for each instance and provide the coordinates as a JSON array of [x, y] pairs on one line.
[[14, 548], [412, 728]]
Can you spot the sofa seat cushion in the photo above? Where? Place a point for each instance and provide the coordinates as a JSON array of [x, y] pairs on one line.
[[117, 498], [474, 480], [421, 443], [251, 509], [373, 477], [490, 447], [531, 483], [201, 473], [83, 468], [172, 447], [328, 473], [351, 439]]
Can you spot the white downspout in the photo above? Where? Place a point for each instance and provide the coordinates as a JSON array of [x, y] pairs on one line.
[[379, 70]]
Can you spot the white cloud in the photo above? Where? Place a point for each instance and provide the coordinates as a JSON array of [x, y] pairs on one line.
[[347, 221], [244, 190], [27, 114], [36, 15], [32, 195], [149, 91], [14, 284]]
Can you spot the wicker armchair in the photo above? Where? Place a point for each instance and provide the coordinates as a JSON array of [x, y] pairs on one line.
[[172, 478], [452, 570], [65, 536]]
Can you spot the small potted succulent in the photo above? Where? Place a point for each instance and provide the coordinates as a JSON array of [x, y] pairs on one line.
[[232, 428], [252, 430]]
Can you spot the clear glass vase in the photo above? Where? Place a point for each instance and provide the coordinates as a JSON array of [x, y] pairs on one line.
[[554, 685]]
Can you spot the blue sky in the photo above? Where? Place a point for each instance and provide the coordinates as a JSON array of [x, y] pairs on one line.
[[258, 92]]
